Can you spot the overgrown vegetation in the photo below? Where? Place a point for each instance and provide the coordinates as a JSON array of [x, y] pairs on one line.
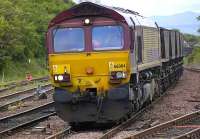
[[23, 24], [194, 41], [194, 58]]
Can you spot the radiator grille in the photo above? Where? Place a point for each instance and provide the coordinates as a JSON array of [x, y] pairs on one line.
[[151, 45]]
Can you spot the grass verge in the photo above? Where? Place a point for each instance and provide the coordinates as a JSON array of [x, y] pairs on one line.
[[17, 71], [194, 58]]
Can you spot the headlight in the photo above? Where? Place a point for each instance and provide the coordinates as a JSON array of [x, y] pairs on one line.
[[119, 75], [60, 77], [116, 75]]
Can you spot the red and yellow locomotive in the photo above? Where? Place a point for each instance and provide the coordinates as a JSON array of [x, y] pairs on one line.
[[107, 62]]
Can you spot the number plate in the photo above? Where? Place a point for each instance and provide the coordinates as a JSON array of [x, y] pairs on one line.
[[117, 66], [61, 69]]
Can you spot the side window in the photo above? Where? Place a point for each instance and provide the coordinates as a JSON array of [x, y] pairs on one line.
[[139, 42]]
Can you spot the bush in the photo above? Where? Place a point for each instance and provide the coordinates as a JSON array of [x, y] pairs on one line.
[[193, 58]]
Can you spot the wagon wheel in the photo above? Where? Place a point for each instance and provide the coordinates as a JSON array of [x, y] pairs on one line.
[[157, 88]]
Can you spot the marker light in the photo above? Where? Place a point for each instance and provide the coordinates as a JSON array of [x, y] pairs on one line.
[[55, 78]]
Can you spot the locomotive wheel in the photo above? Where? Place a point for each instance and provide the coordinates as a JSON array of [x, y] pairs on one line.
[[137, 105]]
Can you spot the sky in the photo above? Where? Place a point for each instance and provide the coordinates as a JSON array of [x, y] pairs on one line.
[[156, 7]]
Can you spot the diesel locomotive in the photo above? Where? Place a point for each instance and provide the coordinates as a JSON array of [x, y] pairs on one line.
[[107, 62]]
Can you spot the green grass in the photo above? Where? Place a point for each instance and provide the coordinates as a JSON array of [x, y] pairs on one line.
[[17, 71], [194, 58]]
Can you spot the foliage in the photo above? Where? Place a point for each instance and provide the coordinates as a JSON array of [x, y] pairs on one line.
[[193, 58], [192, 39], [198, 18], [23, 24]]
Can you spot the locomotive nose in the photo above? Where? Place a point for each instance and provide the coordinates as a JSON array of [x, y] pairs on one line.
[[98, 70]]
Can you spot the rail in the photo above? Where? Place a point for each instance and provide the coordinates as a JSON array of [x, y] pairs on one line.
[[22, 83], [28, 117], [130, 121], [192, 69], [11, 99], [60, 134], [183, 127]]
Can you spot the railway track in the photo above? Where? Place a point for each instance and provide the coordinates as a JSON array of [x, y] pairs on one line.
[[7, 94], [185, 127], [7, 88], [14, 98], [22, 83], [26, 118], [192, 69], [111, 133], [61, 134]]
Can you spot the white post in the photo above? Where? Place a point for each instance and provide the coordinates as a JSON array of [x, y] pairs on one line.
[[2, 80]]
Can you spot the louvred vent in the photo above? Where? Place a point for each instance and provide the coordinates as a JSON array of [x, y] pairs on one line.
[[86, 9]]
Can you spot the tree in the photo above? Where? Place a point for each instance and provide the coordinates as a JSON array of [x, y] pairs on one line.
[[23, 24], [191, 39]]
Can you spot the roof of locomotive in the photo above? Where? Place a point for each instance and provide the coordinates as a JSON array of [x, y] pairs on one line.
[[131, 18]]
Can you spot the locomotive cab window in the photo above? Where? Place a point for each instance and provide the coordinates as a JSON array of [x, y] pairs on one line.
[[107, 38], [68, 39]]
